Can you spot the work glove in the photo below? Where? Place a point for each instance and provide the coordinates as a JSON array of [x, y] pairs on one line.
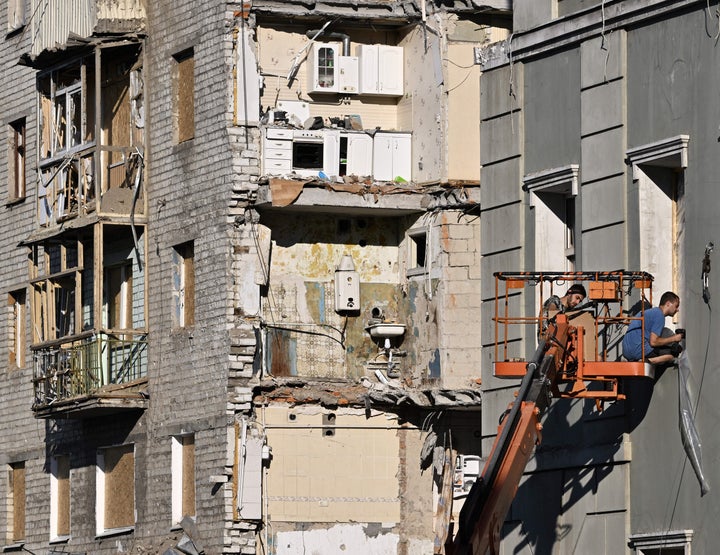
[[676, 349], [681, 331]]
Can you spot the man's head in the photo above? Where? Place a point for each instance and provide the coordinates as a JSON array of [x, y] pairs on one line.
[[669, 303], [575, 295]]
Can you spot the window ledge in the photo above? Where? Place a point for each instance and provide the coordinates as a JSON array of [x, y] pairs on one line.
[[14, 547], [114, 532], [59, 540], [14, 201], [415, 272]]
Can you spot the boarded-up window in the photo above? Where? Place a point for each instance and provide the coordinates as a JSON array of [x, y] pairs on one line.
[[115, 501], [60, 496], [184, 284], [16, 328], [185, 95], [16, 160], [16, 488], [183, 477]]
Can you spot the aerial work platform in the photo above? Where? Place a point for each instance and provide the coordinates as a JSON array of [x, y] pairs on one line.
[[592, 362]]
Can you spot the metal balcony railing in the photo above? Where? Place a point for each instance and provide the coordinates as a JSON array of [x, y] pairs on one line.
[[80, 368]]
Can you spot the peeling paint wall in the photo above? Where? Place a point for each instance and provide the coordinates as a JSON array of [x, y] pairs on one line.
[[350, 539]]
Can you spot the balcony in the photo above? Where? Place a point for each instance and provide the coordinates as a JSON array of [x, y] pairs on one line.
[[94, 374]]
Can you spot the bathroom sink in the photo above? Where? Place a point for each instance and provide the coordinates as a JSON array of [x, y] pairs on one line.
[[386, 329]]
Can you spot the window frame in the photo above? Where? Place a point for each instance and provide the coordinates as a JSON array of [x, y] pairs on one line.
[[184, 284], [184, 491], [184, 95], [60, 499], [17, 160], [417, 248], [17, 500], [102, 487], [17, 328]]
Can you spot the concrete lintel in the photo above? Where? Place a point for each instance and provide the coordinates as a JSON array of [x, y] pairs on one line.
[[575, 28], [556, 180], [668, 153]]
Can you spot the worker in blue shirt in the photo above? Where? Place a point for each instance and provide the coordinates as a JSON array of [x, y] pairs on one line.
[[660, 345]]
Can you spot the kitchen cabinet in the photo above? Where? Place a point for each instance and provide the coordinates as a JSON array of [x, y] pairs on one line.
[[392, 156], [277, 151], [331, 72], [381, 69], [356, 154]]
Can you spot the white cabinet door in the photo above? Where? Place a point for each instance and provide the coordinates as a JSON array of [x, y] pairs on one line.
[[368, 59], [331, 153], [381, 69], [359, 154], [390, 70], [392, 156]]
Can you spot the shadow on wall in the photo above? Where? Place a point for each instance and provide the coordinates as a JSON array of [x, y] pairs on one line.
[[580, 456]]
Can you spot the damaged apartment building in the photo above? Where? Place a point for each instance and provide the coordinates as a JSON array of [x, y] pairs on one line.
[[241, 246], [248, 265]]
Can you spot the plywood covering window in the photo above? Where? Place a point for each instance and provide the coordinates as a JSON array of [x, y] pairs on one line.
[[115, 496], [59, 496], [16, 160], [16, 328], [183, 477], [16, 499], [184, 284], [184, 84]]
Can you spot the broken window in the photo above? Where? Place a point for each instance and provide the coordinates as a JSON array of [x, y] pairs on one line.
[[76, 167], [16, 160], [16, 502], [184, 95], [16, 328], [56, 283], [183, 477], [115, 495], [417, 241], [184, 284], [59, 497]]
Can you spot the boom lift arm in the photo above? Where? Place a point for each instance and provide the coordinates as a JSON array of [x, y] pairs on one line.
[[560, 358]]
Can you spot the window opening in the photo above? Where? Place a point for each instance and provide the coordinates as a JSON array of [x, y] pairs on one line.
[[16, 159], [183, 477], [16, 306], [59, 497], [16, 491], [417, 241], [184, 284], [115, 495], [117, 303], [185, 95]]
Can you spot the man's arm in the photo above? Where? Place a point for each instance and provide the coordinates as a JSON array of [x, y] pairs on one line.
[[657, 341]]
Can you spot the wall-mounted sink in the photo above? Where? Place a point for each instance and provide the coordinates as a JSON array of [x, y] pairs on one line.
[[386, 330]]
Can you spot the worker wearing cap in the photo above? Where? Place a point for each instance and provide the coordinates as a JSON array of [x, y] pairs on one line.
[[660, 345]]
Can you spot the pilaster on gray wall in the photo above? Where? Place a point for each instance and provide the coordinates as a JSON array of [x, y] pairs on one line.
[[502, 220], [531, 13], [604, 139]]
